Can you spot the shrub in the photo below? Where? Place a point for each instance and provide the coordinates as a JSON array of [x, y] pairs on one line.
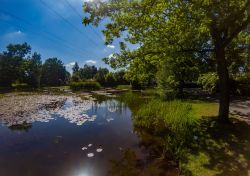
[[77, 86], [209, 82], [20, 86]]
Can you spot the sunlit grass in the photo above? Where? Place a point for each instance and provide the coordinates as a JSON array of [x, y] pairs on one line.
[[173, 121], [196, 165], [129, 87], [204, 108]]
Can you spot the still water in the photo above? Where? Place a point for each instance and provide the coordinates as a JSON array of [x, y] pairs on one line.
[[66, 146]]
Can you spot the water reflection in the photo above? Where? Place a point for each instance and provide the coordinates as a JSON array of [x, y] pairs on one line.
[[21, 127], [56, 148]]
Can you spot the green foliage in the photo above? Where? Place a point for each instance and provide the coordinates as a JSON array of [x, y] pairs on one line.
[[209, 81], [20, 86], [75, 68], [17, 50], [212, 34], [173, 120], [10, 70], [54, 73], [243, 84], [101, 76], [110, 80], [89, 86], [175, 72], [33, 70], [87, 72]]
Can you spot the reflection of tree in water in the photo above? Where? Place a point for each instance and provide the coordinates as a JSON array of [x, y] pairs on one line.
[[21, 127], [112, 104], [130, 165], [155, 164]]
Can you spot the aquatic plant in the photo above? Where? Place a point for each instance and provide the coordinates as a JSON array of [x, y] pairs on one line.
[[173, 121]]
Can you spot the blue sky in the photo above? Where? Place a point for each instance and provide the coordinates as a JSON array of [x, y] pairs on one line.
[[34, 22]]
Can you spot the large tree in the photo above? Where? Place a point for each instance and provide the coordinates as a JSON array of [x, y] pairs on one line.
[[12, 67], [33, 70], [87, 72], [164, 28], [54, 73]]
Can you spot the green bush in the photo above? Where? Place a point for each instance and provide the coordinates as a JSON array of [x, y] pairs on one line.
[[77, 86], [20, 86], [209, 82], [243, 84]]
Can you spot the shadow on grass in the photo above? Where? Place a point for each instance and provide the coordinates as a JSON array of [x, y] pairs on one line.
[[221, 149]]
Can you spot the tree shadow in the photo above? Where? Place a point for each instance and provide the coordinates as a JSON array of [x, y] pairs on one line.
[[226, 145]]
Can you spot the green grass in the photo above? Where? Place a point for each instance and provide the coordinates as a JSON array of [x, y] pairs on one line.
[[86, 86], [172, 121], [129, 87], [204, 108], [222, 149], [189, 133]]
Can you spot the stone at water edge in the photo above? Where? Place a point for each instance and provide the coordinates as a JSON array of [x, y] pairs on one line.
[[90, 145]]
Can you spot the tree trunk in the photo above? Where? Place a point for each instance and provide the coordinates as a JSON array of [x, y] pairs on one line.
[[223, 83]]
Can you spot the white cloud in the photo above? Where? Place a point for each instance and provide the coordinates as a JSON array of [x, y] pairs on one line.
[[92, 62], [111, 55], [14, 34], [71, 64], [111, 46]]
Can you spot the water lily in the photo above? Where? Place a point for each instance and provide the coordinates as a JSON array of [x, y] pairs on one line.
[[84, 148], [90, 155]]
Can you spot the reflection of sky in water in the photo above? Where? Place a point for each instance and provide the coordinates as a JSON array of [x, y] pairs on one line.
[[74, 110], [55, 148]]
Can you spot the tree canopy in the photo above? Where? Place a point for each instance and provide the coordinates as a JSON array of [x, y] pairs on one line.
[[19, 65], [213, 33]]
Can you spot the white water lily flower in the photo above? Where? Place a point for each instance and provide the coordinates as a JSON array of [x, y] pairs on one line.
[[90, 155], [109, 119], [84, 148], [99, 150]]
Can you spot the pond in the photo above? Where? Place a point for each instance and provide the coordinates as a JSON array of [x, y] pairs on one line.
[[74, 138]]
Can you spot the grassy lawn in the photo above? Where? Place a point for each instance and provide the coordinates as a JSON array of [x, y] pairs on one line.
[[221, 149], [204, 108]]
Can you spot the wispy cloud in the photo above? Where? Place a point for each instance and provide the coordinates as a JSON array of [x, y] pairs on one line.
[[92, 62], [15, 34], [111, 46]]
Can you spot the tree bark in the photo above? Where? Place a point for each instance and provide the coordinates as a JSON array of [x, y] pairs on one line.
[[224, 87]]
